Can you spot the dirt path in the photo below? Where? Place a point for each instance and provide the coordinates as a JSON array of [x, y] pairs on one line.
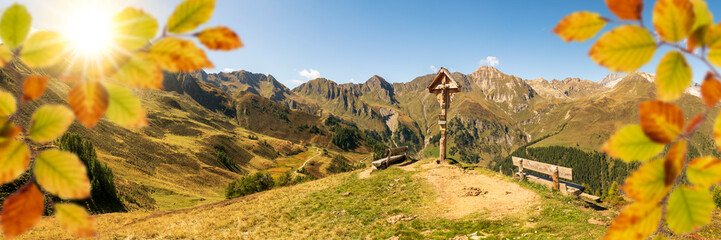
[[460, 194], [311, 158]]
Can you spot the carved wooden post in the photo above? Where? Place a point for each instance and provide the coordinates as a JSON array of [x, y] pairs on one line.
[[556, 186], [444, 86]]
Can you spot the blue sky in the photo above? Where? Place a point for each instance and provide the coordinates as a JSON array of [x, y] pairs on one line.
[[346, 41]]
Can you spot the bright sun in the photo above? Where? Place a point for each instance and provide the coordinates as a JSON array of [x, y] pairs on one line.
[[89, 30]]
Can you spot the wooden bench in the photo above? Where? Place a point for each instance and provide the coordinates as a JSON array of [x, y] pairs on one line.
[[554, 171], [390, 159]]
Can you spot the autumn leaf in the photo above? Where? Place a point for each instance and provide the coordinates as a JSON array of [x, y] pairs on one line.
[[8, 131], [624, 49], [637, 221], [222, 38], [61, 173], [140, 71], [704, 171], [712, 38], [179, 55], [50, 122], [134, 28], [189, 14], [124, 108], [660, 121], [8, 104], [673, 19], [34, 86], [626, 9], [710, 90], [631, 144], [22, 210], [43, 48], [15, 25], [75, 219], [703, 20], [694, 123], [14, 160], [647, 183], [89, 101], [673, 75], [5, 55], [689, 208]]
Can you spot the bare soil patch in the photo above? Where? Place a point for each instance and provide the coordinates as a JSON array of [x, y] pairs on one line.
[[461, 194]]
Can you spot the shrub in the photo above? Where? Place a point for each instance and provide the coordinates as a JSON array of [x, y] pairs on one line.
[[340, 164], [717, 196], [250, 184], [225, 160], [346, 138]]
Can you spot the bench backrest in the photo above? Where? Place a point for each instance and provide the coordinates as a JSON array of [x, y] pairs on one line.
[[545, 168], [396, 150]]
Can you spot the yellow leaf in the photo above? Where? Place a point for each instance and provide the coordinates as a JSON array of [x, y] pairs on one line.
[[34, 87], [15, 25], [22, 210], [133, 28], [61, 173], [75, 220], [637, 221], [140, 71], [50, 122], [8, 104], [660, 121], [673, 164], [179, 55], [704, 171], [220, 38], [647, 183], [5, 55], [189, 15], [673, 75], [673, 19], [631, 144], [710, 90], [43, 48], [626, 9], [124, 108], [659, 237], [89, 101], [623, 49], [14, 160], [712, 38], [702, 16], [689, 208]]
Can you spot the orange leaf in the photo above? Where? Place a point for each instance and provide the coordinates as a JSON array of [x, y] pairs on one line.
[[179, 55], [89, 101], [673, 19], [717, 131], [222, 38], [694, 123], [675, 158], [637, 221], [8, 131], [661, 121], [22, 210], [34, 86], [626, 9], [710, 90]]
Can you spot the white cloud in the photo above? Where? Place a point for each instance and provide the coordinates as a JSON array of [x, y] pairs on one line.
[[296, 81], [433, 68], [228, 70], [310, 75], [490, 61], [352, 80]]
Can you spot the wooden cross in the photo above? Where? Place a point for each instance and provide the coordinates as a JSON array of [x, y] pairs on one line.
[[443, 85]]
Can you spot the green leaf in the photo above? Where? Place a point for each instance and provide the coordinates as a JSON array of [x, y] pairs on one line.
[[189, 15], [50, 122], [134, 28], [630, 143], [702, 16], [624, 49], [689, 208], [61, 173], [43, 48], [8, 104], [15, 25], [673, 75], [124, 108]]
